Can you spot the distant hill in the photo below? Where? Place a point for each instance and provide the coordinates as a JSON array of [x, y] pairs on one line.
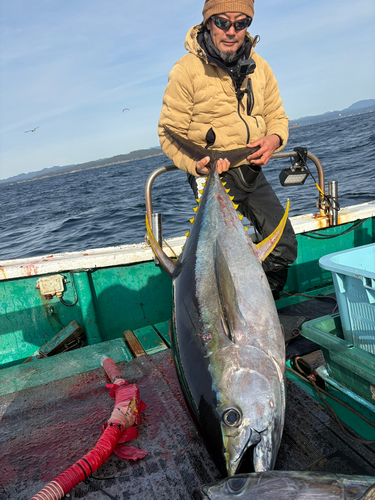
[[104, 162], [358, 108]]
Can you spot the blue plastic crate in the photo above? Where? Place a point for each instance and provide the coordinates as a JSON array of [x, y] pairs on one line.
[[353, 273]]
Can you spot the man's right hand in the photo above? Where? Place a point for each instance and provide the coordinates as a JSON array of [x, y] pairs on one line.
[[222, 166]]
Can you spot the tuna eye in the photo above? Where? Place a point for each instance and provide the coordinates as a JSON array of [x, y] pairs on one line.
[[232, 417], [236, 484]]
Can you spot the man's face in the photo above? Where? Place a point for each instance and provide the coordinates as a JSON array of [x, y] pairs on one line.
[[227, 41]]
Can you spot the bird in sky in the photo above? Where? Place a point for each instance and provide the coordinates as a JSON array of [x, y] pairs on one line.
[[32, 130], [125, 109]]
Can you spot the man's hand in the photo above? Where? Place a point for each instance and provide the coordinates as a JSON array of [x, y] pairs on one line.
[[267, 145], [222, 166]]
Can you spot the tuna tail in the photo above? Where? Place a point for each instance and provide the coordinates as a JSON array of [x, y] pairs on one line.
[[265, 247], [234, 156], [166, 263], [195, 151]]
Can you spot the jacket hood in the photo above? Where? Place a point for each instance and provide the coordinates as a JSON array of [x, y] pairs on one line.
[[192, 45]]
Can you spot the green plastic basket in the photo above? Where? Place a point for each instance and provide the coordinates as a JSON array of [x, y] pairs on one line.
[[352, 366]]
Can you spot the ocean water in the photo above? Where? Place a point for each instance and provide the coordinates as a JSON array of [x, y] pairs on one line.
[[105, 206]]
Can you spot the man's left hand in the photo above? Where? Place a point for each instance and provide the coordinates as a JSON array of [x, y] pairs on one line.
[[267, 147]]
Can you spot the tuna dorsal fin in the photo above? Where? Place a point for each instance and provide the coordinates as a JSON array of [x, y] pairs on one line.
[[265, 247], [166, 263], [230, 312]]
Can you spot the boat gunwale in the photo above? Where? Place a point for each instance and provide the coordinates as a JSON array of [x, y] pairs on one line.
[[141, 252]]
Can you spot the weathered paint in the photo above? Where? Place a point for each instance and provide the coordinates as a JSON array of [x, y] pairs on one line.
[[113, 300]]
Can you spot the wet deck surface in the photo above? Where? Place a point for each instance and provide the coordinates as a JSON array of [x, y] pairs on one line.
[[46, 429]]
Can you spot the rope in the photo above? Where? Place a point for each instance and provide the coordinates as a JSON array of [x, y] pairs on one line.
[[312, 297], [330, 236]]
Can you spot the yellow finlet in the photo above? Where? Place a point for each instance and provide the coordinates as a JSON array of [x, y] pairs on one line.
[[201, 191], [240, 216], [231, 198], [224, 183], [235, 206], [187, 234], [192, 220], [227, 190], [198, 200], [265, 247], [246, 228], [196, 209]]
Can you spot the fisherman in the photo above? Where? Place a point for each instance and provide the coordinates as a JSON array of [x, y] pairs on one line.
[[222, 95]]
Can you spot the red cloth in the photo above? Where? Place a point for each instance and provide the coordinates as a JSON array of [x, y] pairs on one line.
[[127, 413]]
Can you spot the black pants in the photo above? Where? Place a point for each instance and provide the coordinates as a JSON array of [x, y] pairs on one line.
[[259, 204]]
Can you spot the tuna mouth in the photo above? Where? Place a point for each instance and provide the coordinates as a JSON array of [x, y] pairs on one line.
[[246, 461]]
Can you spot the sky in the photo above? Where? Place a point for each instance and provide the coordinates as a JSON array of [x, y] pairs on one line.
[[70, 67]]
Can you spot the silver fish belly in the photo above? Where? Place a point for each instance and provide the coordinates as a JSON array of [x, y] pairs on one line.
[[227, 341]]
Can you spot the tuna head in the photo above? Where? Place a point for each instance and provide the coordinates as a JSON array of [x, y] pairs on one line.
[[287, 485], [250, 391]]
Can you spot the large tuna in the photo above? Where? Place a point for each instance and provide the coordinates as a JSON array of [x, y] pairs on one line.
[[287, 485], [227, 341]]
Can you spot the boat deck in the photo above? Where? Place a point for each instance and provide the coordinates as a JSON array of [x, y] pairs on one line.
[[46, 428]]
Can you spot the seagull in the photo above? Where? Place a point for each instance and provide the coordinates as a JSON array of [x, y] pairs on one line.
[[33, 130], [125, 109]]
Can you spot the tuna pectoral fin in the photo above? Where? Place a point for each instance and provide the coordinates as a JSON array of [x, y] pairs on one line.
[[265, 247], [236, 156], [230, 313], [167, 264], [195, 151]]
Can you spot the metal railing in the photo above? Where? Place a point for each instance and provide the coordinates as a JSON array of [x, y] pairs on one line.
[[286, 154]]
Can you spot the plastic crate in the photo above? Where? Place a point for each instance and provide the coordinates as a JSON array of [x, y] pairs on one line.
[[351, 366], [353, 273]]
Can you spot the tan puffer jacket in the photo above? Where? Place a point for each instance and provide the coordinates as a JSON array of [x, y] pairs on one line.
[[201, 95]]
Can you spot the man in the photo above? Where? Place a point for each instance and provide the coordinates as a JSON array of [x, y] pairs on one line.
[[222, 95]]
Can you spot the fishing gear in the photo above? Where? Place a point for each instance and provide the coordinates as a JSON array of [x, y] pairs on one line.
[[297, 174]]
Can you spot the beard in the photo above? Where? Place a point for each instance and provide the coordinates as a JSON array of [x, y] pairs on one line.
[[228, 57]]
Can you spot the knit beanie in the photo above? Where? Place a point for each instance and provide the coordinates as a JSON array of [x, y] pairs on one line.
[[214, 7]]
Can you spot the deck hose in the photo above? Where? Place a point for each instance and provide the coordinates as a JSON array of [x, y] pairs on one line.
[[118, 430]]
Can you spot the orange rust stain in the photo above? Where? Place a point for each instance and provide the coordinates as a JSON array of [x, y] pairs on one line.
[[31, 270], [3, 275], [321, 222]]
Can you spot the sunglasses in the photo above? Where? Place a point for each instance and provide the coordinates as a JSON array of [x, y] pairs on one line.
[[225, 24]]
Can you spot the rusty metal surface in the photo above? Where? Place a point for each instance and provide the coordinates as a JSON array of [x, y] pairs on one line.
[[133, 344], [46, 429]]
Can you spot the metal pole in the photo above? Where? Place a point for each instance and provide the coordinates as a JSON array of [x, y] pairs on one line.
[[157, 232], [148, 187], [333, 209]]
